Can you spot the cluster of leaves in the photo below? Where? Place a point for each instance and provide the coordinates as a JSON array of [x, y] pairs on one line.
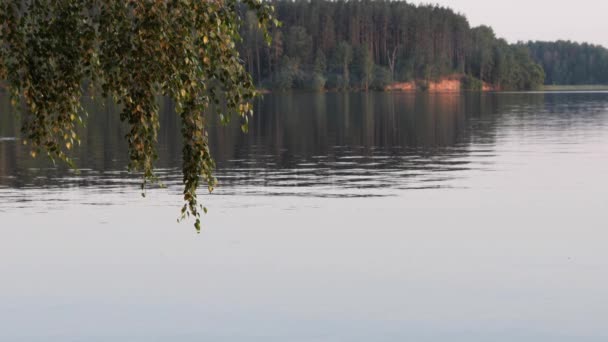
[[132, 51]]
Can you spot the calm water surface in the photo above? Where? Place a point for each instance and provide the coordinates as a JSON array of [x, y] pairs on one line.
[[339, 217]]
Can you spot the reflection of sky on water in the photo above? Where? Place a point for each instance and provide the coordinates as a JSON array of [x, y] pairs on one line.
[[385, 217]]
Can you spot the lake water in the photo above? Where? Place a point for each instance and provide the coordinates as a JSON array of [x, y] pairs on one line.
[[339, 217]]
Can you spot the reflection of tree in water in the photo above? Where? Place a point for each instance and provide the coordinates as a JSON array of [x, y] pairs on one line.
[[342, 140], [10, 148], [307, 125]]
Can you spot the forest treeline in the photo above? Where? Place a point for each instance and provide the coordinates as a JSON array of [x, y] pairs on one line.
[[566, 62], [372, 43]]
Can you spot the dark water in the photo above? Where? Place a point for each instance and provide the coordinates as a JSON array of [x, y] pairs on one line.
[[339, 217]]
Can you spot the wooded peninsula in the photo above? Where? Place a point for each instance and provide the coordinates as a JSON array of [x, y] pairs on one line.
[[362, 45]]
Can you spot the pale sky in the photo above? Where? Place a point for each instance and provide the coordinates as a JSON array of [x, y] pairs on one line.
[[580, 20]]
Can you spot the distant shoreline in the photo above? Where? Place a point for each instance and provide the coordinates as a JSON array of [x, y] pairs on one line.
[[583, 87], [395, 88]]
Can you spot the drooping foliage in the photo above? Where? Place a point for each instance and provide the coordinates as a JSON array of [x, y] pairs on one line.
[[567, 62], [130, 51], [364, 42]]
